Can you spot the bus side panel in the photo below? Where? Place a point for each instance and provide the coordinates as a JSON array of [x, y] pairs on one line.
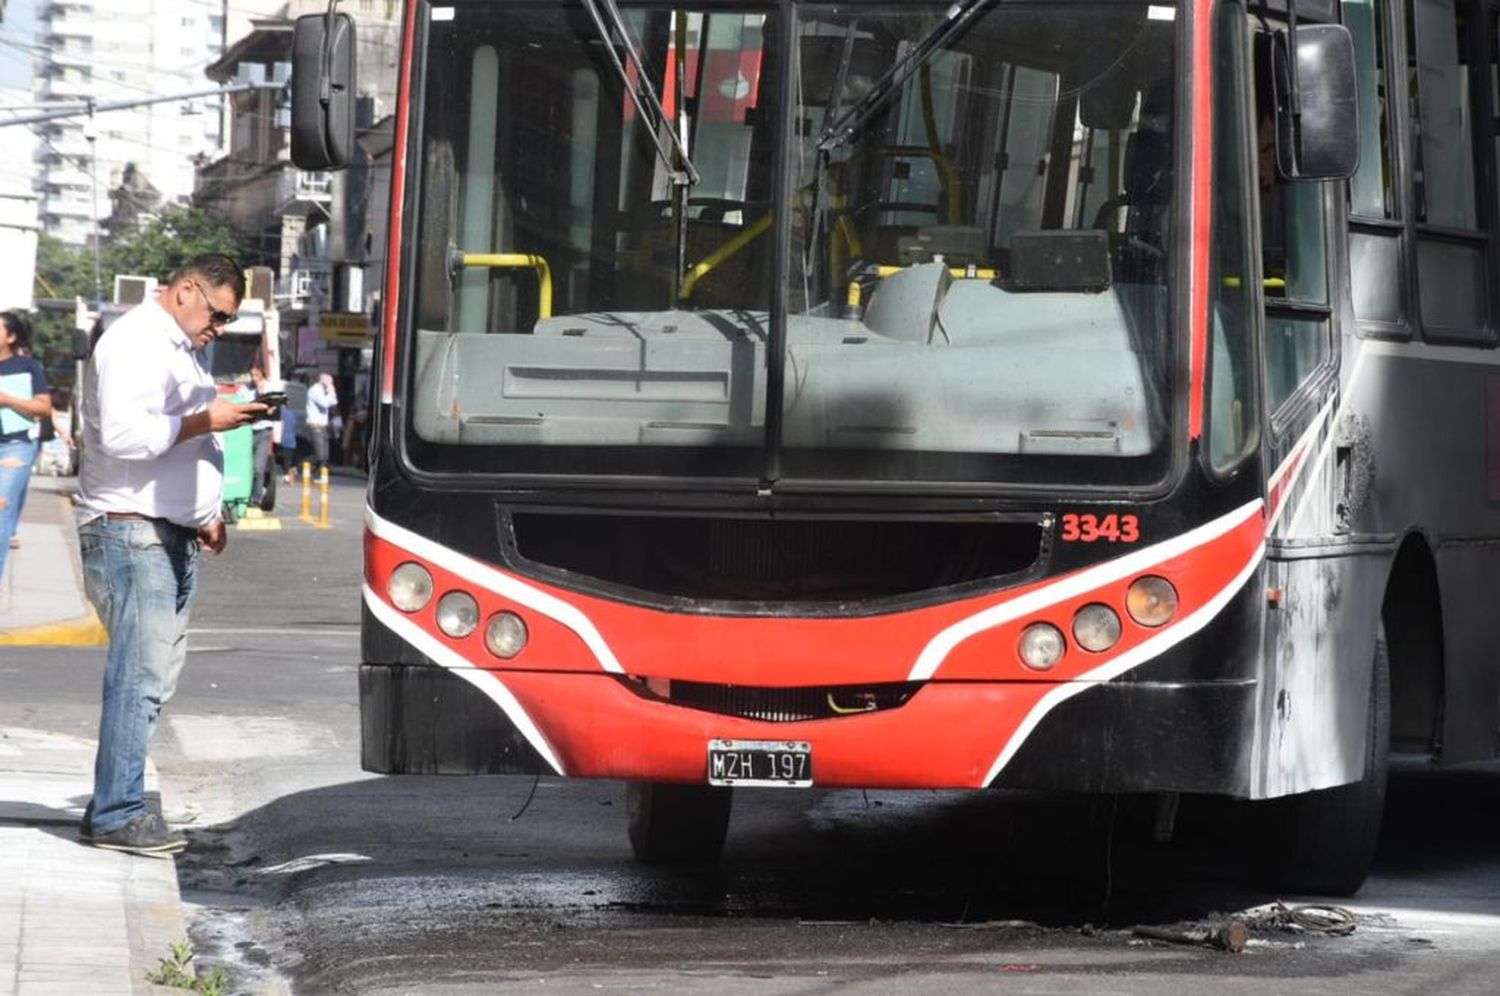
[[1434, 428], [1319, 648], [1471, 636]]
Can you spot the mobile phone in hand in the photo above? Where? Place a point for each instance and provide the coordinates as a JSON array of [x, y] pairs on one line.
[[273, 400]]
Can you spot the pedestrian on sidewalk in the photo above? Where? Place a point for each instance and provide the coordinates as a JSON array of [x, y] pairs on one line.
[[322, 402], [149, 495], [286, 446], [262, 430], [25, 397]]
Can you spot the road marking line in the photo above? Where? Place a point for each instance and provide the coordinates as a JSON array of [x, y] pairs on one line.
[[352, 631]]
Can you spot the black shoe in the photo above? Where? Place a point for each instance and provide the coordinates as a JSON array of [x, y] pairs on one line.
[[147, 834]]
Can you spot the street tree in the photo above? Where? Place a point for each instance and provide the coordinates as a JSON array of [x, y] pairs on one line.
[[154, 248]]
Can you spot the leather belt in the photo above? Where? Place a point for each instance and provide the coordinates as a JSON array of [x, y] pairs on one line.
[[133, 516]]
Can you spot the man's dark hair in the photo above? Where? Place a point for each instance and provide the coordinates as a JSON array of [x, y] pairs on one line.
[[217, 270], [18, 326]]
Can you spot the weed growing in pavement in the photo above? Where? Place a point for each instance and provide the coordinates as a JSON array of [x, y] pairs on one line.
[[177, 973]]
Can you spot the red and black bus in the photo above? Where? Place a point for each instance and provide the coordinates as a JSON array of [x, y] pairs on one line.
[[1089, 395]]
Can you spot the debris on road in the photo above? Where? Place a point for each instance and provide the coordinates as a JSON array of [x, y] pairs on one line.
[[1233, 933], [1229, 935], [1315, 918]]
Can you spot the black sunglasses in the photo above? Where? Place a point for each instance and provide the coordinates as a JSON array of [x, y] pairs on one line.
[[216, 316]]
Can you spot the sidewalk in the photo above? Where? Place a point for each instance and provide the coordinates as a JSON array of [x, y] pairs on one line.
[[41, 593], [73, 918]]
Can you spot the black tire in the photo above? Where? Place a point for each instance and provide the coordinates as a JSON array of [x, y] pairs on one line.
[[268, 490], [672, 824], [1327, 838]]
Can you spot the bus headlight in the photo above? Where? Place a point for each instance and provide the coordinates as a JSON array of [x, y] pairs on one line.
[[458, 614], [1151, 601], [1096, 627], [506, 635], [410, 587], [1042, 646]]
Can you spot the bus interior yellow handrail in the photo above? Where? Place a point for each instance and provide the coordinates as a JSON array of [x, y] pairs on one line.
[[842, 226], [719, 255], [519, 260], [1269, 283]]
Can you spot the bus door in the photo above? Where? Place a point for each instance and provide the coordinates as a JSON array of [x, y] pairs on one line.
[[1299, 361], [1317, 656]]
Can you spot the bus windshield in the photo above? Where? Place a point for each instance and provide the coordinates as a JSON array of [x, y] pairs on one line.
[[932, 238]]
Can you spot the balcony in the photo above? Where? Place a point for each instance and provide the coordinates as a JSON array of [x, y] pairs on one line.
[[299, 192], [59, 88], [67, 175], [67, 58], [69, 27]]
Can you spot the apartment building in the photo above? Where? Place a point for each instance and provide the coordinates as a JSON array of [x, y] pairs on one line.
[[121, 50], [18, 207], [18, 200]]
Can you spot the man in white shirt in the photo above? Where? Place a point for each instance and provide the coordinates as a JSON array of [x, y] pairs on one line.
[[322, 399], [264, 430], [149, 494]]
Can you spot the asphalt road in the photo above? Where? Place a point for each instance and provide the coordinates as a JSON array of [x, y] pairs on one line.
[[309, 876]]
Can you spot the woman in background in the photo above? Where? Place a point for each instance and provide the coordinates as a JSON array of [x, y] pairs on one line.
[[25, 397]]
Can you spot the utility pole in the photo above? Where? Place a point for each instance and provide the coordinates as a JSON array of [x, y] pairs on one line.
[[91, 135]]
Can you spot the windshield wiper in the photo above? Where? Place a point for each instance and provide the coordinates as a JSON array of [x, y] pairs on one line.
[[893, 79], [680, 170]]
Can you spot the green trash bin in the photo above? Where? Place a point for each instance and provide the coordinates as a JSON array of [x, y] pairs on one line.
[[239, 469]]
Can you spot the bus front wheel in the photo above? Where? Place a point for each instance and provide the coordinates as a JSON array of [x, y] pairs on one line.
[[1329, 836], [675, 824]]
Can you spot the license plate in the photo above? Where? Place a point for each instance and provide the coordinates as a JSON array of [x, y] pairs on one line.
[[785, 763]]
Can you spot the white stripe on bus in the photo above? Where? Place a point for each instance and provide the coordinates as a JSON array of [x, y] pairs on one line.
[[1141, 561], [485, 576], [450, 660], [1134, 657]]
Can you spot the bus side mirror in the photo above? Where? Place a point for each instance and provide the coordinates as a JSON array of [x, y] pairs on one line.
[[323, 91], [1322, 143]]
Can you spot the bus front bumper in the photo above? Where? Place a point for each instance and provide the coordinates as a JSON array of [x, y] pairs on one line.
[[1120, 736]]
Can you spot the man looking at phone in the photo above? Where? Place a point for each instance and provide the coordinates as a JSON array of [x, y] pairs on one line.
[[149, 495], [261, 389]]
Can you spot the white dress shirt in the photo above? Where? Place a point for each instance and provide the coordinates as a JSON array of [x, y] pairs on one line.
[[321, 400], [143, 378]]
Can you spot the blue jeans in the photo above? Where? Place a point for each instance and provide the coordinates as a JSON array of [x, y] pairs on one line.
[[15, 471], [140, 575]]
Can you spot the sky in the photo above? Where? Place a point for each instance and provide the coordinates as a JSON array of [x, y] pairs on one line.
[[17, 29]]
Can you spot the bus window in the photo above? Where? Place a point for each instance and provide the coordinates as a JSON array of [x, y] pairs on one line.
[[932, 211], [1294, 266], [1450, 248], [1377, 283], [1232, 407]]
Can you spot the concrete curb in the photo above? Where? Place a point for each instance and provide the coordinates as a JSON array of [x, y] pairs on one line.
[[42, 602], [85, 631]]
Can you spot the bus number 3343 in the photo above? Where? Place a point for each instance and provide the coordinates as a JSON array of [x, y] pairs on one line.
[[1092, 528]]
